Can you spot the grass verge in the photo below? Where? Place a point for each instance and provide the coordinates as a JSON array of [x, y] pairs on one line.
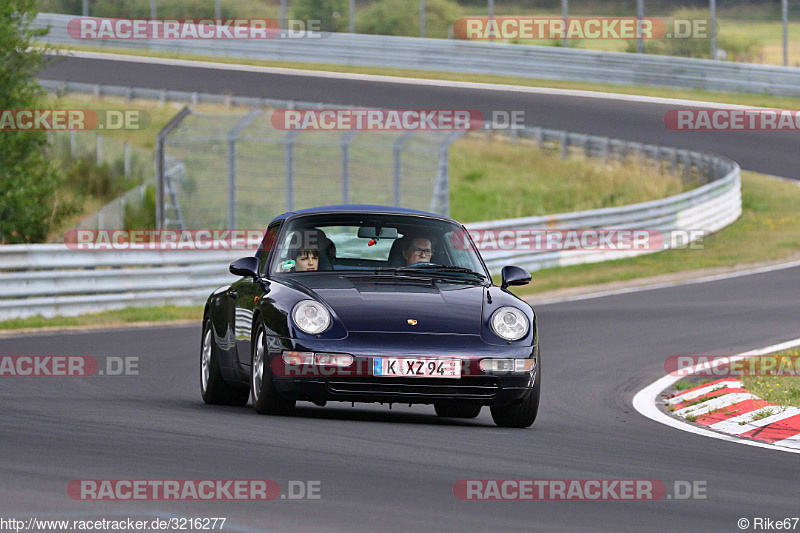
[[778, 389], [119, 317], [538, 182], [768, 230]]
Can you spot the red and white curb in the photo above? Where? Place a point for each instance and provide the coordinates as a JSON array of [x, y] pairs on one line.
[[725, 407]]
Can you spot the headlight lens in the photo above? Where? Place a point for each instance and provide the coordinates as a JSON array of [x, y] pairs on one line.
[[510, 323], [311, 317]]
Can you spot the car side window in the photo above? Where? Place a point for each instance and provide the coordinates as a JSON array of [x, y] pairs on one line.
[[268, 244]]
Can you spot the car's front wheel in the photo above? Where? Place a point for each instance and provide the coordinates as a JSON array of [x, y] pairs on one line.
[[523, 414], [212, 385], [451, 410], [266, 399]]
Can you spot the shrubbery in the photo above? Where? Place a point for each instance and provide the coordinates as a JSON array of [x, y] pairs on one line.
[[332, 14], [736, 47], [28, 179], [401, 17]]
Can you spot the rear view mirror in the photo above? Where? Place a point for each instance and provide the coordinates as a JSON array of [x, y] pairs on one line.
[[371, 232]]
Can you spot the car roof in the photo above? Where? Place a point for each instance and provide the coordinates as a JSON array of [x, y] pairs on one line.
[[359, 208]]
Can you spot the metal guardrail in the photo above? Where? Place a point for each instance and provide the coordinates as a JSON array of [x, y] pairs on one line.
[[527, 61], [52, 280]]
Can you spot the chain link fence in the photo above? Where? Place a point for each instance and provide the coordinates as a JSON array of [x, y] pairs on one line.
[[122, 163], [239, 171]]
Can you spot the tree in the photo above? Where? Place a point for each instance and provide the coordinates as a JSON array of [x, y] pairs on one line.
[[28, 180]]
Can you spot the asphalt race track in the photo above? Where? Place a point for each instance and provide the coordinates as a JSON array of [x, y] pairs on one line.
[[768, 152], [384, 470]]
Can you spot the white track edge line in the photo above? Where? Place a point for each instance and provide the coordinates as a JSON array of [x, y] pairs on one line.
[[645, 403]]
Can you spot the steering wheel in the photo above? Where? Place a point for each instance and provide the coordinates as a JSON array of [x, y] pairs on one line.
[[422, 263]]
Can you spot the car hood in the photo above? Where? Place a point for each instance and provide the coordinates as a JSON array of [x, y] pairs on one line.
[[399, 304]]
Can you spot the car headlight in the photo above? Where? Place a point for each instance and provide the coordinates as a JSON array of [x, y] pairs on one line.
[[510, 323], [311, 317]]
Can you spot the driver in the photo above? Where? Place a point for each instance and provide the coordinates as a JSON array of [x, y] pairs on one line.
[[418, 250]]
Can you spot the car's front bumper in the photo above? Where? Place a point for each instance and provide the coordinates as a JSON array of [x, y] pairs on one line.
[[483, 389]]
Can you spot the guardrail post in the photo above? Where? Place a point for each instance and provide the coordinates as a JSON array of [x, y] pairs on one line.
[[639, 23], [539, 134], [397, 148], [713, 9], [347, 138], [422, 18], [564, 145], [160, 156], [233, 135], [440, 202], [127, 157], [289, 158]]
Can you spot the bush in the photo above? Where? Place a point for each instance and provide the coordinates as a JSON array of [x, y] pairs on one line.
[[737, 49], [164, 9], [401, 17], [332, 14], [28, 179], [142, 216], [94, 180]]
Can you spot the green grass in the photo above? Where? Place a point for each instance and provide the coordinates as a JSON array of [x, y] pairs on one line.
[[683, 385], [758, 415], [129, 315], [768, 229], [780, 390], [144, 137], [494, 179], [755, 100]]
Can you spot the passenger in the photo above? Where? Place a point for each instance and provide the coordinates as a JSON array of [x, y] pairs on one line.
[[306, 260]]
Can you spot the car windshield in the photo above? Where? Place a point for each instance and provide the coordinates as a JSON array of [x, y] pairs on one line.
[[395, 244]]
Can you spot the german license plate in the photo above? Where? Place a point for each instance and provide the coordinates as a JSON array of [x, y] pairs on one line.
[[406, 367]]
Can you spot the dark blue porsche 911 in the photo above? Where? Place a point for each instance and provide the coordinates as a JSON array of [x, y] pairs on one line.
[[371, 304]]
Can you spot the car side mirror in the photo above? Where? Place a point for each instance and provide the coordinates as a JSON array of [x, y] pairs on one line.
[[514, 275], [245, 266]]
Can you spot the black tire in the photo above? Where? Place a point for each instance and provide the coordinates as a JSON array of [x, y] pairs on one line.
[[213, 388], [266, 399], [521, 415], [451, 410]]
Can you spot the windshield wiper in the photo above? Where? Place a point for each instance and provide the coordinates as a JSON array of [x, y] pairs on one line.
[[445, 269]]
